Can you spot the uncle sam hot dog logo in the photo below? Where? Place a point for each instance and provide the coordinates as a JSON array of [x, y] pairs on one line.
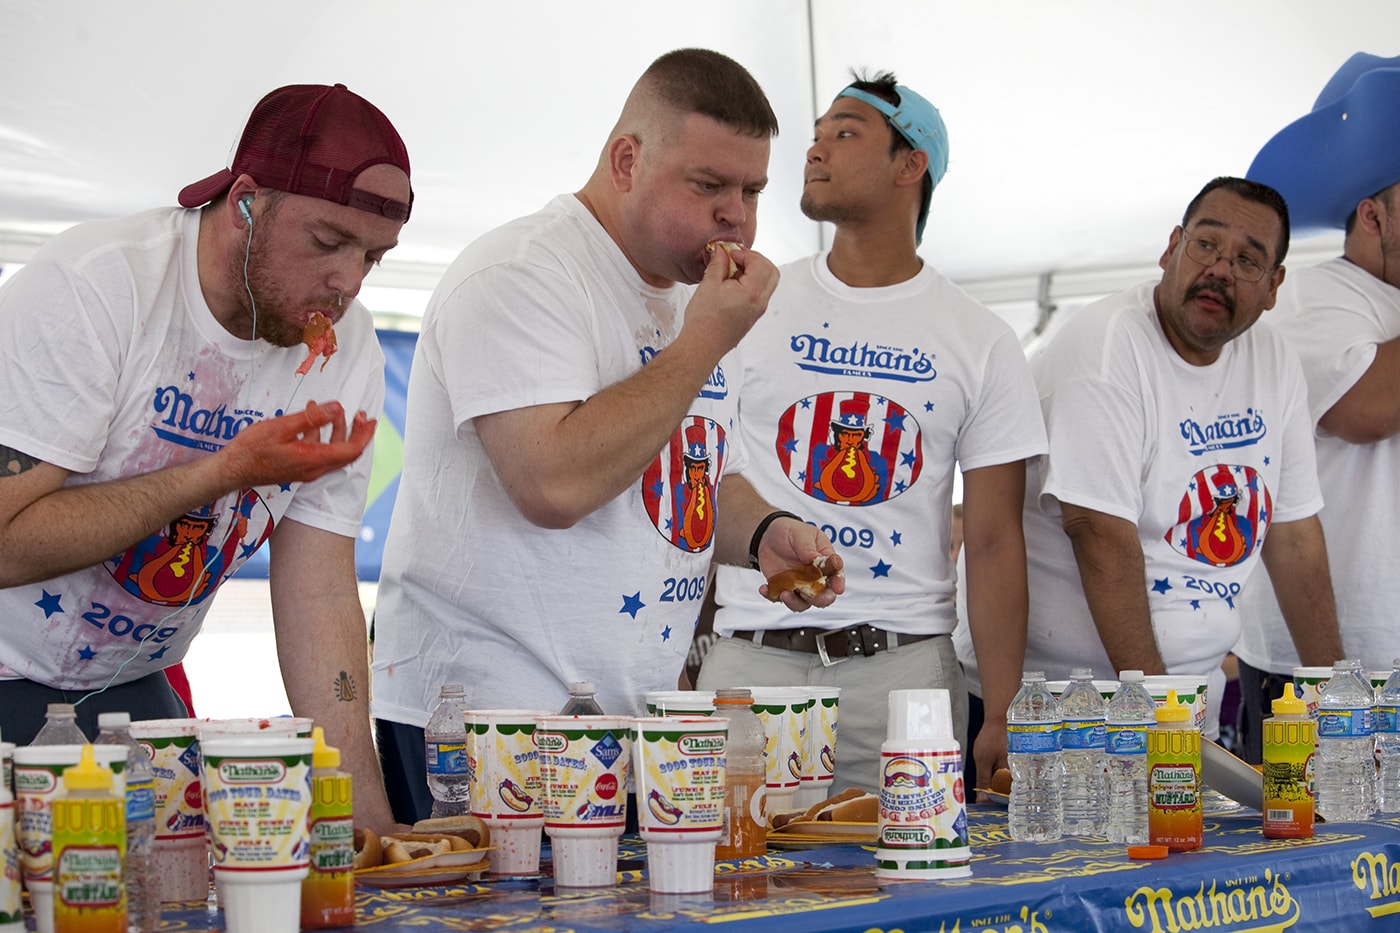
[[1223, 515], [849, 448], [678, 489]]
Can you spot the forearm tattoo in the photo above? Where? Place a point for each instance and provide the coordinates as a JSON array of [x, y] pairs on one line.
[[14, 462], [345, 688]]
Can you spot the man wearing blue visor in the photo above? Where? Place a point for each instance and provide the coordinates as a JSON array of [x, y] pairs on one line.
[[868, 379]]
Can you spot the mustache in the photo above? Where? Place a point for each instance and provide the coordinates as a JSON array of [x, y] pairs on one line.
[[1216, 289]]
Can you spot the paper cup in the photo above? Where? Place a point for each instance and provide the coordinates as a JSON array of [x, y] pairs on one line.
[[298, 726], [680, 702], [819, 755], [257, 795], [782, 710], [1190, 690], [503, 777], [1309, 681], [679, 766], [7, 765], [181, 847], [584, 765]]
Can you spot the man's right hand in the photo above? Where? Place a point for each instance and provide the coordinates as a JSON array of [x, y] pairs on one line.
[[724, 308], [289, 449]]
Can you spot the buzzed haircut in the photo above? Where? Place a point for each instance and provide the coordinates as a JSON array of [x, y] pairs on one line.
[[712, 85], [1250, 191]]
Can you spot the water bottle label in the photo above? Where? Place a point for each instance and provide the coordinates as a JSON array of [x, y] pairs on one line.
[[140, 803], [1032, 737], [1343, 723], [1077, 734], [447, 758], [1384, 719], [1128, 739]]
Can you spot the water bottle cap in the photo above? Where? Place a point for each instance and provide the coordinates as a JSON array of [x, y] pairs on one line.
[[113, 720], [580, 687], [452, 690], [1130, 676], [1081, 673], [61, 711], [1174, 710], [734, 695], [1290, 703], [322, 755], [87, 774]]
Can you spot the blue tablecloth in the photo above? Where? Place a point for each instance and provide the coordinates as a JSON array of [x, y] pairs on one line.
[[1347, 877]]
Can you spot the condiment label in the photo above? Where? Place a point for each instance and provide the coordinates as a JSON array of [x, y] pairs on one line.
[[36, 786], [257, 810]]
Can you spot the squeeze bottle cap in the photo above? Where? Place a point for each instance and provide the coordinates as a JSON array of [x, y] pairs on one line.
[[1290, 703], [323, 756], [87, 774], [1174, 710]]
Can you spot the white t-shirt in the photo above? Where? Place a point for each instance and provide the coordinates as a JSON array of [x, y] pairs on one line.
[[1334, 315], [544, 310], [858, 403], [1202, 459], [111, 365]]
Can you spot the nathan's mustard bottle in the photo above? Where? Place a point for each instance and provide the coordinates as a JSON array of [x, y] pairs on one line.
[[89, 851], [1174, 778], [1288, 765], [328, 891]]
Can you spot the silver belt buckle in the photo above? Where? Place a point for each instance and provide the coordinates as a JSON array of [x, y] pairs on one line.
[[828, 660]]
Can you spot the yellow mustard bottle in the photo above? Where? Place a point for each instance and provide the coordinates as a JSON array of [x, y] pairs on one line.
[[1288, 768], [328, 891], [1174, 778], [89, 851]]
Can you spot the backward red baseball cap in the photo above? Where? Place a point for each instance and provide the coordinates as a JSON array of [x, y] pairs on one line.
[[313, 140]]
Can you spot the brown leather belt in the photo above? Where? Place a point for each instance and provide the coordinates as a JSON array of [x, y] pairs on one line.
[[832, 645]]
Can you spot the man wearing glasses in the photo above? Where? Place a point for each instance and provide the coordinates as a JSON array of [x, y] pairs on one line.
[[1181, 453]]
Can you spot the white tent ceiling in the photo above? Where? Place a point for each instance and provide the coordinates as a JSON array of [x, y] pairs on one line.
[[1079, 128]]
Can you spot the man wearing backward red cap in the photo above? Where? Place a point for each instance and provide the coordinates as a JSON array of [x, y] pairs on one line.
[[152, 369]]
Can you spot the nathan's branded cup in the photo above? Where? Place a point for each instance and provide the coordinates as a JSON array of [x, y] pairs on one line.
[[819, 754], [782, 711], [1309, 681], [182, 846], [680, 702], [38, 778], [298, 726], [1190, 691], [503, 777], [7, 765], [679, 766], [923, 805], [257, 793], [584, 765]]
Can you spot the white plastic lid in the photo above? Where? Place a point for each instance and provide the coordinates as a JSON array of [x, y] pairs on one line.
[[920, 716]]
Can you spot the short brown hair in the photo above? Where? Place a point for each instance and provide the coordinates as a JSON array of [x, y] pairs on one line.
[[715, 86]]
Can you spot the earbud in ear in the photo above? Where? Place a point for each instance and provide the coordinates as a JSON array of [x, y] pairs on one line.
[[244, 207]]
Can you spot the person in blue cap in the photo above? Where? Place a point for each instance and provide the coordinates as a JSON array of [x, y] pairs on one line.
[[867, 382], [1339, 168]]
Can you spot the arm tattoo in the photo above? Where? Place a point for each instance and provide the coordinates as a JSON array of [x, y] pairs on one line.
[[345, 690], [14, 462]]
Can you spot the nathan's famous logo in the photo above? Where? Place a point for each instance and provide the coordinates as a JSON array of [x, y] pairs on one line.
[[678, 489], [1240, 905], [551, 742], [1225, 432], [711, 743], [1223, 516], [180, 422], [1025, 921], [820, 355], [250, 771], [185, 562], [902, 771], [849, 448], [1373, 872]]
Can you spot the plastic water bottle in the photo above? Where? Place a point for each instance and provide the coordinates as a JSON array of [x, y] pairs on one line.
[[1082, 744], [1346, 764], [1129, 713], [142, 892], [60, 727], [746, 775], [581, 700], [1386, 721], [445, 737], [1037, 770]]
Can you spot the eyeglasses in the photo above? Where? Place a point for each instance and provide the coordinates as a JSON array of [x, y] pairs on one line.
[[1204, 250]]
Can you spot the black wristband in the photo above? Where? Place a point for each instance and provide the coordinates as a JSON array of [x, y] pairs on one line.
[[768, 519]]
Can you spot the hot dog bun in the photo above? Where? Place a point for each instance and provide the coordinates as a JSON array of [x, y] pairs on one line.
[[728, 246], [807, 579], [405, 850], [851, 805], [369, 852]]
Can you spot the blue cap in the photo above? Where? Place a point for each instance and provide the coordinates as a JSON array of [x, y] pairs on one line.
[[1346, 149], [918, 122]]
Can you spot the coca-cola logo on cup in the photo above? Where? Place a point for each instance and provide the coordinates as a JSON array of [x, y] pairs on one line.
[[194, 797], [606, 786]]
